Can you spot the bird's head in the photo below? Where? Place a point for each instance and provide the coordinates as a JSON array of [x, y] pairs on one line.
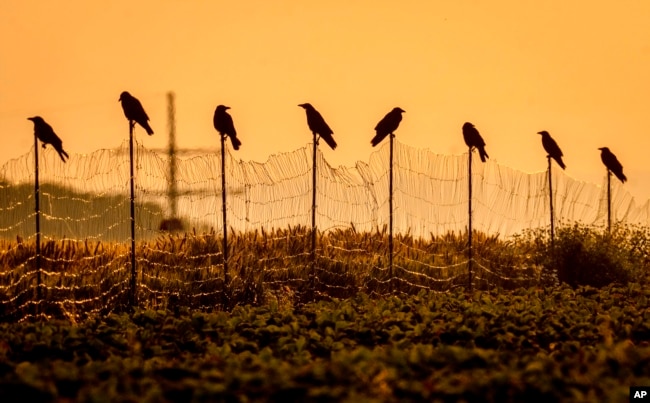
[[36, 119], [543, 133], [604, 149], [222, 108], [398, 110], [306, 105], [124, 95], [467, 125]]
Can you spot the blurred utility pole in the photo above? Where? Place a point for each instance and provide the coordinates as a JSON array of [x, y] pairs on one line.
[[171, 126]]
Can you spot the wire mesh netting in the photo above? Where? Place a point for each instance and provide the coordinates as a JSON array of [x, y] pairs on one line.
[[85, 227]]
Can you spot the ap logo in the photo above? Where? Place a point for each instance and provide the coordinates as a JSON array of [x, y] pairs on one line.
[[640, 394]]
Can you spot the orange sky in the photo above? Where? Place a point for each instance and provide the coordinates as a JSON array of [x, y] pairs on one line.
[[578, 69]]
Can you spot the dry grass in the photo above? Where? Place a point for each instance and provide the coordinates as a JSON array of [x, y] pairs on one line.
[[79, 278]]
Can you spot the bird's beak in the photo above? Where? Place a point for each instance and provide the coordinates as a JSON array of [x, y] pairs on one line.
[[32, 119], [227, 107]]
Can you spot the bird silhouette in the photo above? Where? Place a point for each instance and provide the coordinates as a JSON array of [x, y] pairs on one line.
[[134, 111], [612, 164], [552, 149], [224, 125], [387, 125], [317, 125], [473, 139], [46, 134]]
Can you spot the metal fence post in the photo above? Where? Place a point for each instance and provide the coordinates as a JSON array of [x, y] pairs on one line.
[[226, 278], [37, 192], [132, 203], [469, 261]]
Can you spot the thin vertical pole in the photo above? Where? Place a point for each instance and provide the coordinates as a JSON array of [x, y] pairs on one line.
[[37, 192], [312, 278], [550, 201], [469, 253], [226, 278], [609, 200], [132, 183], [171, 123], [390, 214]]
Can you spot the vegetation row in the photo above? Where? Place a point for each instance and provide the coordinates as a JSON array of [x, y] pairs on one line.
[[81, 279]]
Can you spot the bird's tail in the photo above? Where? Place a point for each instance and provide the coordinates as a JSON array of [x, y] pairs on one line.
[[377, 139], [330, 141], [484, 155], [622, 177], [148, 129], [561, 163], [235, 142], [64, 155]]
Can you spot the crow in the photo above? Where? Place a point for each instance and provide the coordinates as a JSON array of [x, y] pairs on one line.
[[317, 125], [387, 125], [45, 133], [474, 139], [224, 125], [612, 164], [134, 111], [552, 149]]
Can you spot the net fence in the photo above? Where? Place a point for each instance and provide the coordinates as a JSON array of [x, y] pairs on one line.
[[85, 227]]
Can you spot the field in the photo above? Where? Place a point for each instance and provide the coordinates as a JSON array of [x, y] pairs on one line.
[[349, 333], [581, 345]]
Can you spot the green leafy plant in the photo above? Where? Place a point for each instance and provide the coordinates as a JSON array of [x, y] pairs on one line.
[[586, 255]]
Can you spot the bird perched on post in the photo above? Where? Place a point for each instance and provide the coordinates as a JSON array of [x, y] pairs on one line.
[[223, 123], [317, 125], [473, 139], [387, 125], [612, 164], [46, 134], [552, 149], [134, 111]]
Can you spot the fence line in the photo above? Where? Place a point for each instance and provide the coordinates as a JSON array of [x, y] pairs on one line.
[[85, 223]]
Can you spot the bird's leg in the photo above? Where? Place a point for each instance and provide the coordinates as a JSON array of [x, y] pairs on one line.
[[131, 124], [317, 138]]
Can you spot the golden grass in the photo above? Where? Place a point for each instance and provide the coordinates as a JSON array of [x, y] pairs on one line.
[[174, 271]]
